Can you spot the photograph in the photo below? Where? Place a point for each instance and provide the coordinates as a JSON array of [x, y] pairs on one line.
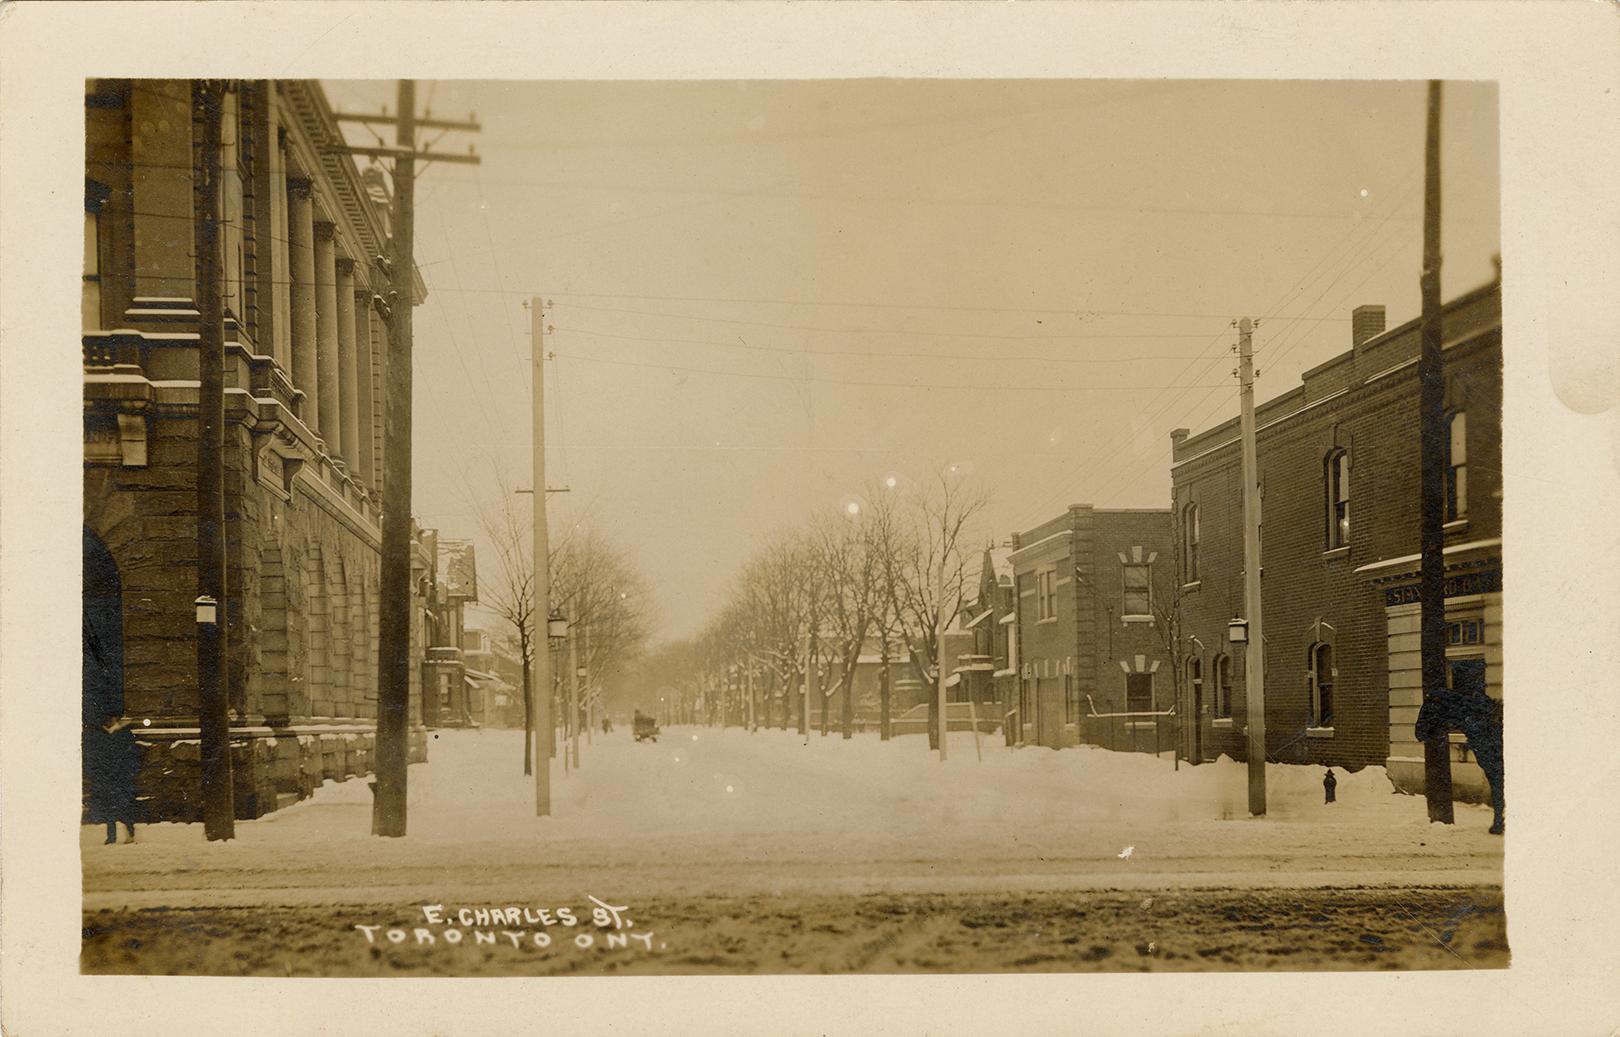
[[982, 527], [809, 518]]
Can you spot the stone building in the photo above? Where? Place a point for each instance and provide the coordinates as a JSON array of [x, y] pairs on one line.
[[1092, 585], [1339, 470], [306, 352]]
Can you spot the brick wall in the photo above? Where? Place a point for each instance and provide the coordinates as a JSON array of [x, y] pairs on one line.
[[1370, 410]]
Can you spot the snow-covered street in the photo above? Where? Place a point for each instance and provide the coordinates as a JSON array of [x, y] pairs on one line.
[[709, 812], [745, 853]]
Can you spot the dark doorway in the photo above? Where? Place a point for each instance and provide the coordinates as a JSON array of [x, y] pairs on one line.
[[103, 691]]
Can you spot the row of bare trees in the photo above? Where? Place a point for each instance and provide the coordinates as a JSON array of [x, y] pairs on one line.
[[889, 569], [592, 583]]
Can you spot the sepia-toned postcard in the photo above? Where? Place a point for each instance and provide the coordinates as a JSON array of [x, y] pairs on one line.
[[809, 518]]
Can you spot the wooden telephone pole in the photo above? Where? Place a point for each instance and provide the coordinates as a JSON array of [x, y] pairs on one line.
[[1254, 655], [394, 623], [213, 698], [1431, 486]]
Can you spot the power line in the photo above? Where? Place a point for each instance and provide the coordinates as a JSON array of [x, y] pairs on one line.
[[876, 355], [975, 386], [1346, 243]]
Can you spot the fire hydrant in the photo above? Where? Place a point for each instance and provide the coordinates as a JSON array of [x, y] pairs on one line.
[[1329, 785]]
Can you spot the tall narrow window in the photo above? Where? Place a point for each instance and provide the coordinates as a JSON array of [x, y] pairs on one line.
[[1223, 685], [1337, 471], [1046, 594], [1189, 544], [1457, 466], [1321, 676], [1138, 590], [1195, 684], [1139, 692], [90, 303]]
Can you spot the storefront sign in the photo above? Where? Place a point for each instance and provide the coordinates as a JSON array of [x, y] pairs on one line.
[[1486, 581]]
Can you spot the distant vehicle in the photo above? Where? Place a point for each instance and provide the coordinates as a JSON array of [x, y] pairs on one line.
[[646, 728]]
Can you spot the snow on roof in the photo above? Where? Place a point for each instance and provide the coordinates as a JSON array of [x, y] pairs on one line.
[[976, 620]]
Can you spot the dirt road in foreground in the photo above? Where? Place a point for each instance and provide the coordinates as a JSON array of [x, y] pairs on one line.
[[1065, 931]]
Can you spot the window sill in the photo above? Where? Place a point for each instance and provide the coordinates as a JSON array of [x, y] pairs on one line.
[[1048, 619], [1136, 619], [1319, 732], [1334, 553], [1141, 725], [1191, 586], [1456, 525], [1221, 723]]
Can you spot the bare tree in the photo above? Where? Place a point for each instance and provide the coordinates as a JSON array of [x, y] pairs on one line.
[[511, 593], [934, 568]]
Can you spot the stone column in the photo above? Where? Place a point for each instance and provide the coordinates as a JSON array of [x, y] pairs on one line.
[[160, 149], [276, 296], [233, 300], [326, 330], [301, 247], [348, 369], [362, 379]]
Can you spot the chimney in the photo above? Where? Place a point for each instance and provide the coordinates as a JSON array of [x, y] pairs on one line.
[[1366, 322], [1178, 436]]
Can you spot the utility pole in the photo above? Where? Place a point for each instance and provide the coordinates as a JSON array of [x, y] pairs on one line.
[[1254, 657], [213, 716], [573, 696], [394, 661], [1431, 487], [939, 648], [542, 568], [753, 717], [804, 696], [394, 622]]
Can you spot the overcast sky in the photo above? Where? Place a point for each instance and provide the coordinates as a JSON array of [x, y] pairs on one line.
[[767, 293]]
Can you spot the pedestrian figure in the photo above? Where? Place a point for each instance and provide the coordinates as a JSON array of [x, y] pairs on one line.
[[1330, 786], [1479, 717], [111, 761]]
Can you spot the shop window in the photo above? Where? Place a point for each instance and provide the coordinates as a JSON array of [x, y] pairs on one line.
[[1456, 466], [1336, 478], [1321, 675], [1223, 685], [1139, 692], [1189, 544], [1138, 590]]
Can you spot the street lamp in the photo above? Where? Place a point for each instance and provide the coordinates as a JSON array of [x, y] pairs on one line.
[[557, 626], [1237, 631]]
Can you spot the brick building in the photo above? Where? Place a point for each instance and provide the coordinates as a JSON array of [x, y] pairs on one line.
[[1092, 587], [446, 696], [306, 350], [1339, 468], [990, 617]]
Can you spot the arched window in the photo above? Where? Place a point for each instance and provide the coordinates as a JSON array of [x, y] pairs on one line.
[[1223, 685], [1321, 674], [1456, 466], [1336, 480], [1189, 544]]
